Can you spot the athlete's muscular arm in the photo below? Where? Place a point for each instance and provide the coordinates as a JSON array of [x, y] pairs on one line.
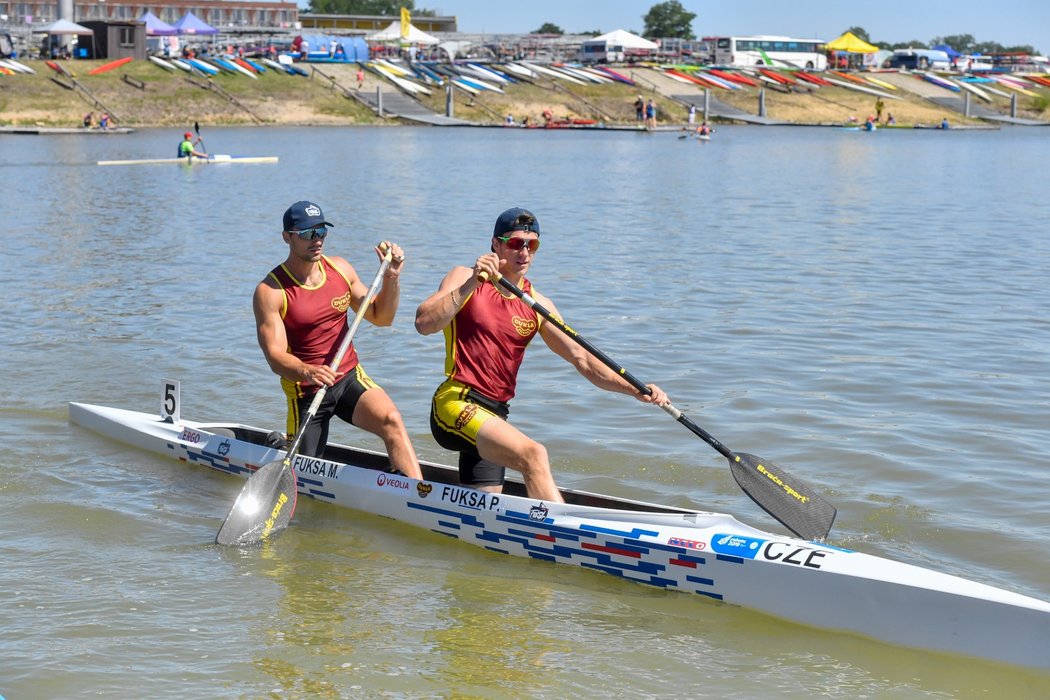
[[273, 339], [437, 311], [593, 369]]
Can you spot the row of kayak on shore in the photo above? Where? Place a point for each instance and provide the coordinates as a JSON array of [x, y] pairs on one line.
[[475, 78], [984, 85], [233, 65]]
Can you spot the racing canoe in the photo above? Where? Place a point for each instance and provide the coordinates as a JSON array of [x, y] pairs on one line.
[[215, 159], [709, 555]]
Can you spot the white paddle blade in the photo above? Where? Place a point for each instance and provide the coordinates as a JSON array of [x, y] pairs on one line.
[[264, 506]]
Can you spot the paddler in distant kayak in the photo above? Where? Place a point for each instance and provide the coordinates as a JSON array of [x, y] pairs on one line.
[[486, 333], [301, 317], [187, 149]]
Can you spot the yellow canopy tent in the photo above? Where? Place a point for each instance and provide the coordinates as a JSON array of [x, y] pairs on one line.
[[849, 42]]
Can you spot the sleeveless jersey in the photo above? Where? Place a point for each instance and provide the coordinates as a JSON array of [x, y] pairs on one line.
[[314, 321], [485, 343]]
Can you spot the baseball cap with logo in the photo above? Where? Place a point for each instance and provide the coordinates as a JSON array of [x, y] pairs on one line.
[[303, 215], [516, 219]]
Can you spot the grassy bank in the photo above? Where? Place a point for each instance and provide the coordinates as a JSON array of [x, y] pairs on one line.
[[142, 94]]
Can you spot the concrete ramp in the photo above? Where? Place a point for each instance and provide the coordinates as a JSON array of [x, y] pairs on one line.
[[397, 104], [724, 111]]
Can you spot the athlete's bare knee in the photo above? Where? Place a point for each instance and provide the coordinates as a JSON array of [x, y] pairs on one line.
[[534, 459]]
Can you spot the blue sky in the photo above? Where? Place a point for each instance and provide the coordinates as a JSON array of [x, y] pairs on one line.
[[1009, 22]]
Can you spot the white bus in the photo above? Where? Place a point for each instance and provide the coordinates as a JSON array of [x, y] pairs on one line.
[[774, 51]]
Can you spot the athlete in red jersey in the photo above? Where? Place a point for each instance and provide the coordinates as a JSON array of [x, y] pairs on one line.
[[486, 333], [301, 317]]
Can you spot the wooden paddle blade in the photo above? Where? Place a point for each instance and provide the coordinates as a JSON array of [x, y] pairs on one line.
[[264, 506], [797, 506]]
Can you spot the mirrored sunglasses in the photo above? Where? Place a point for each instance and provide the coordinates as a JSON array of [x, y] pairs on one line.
[[517, 243], [309, 234]]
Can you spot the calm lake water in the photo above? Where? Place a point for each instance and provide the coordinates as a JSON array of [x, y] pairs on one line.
[[869, 311]]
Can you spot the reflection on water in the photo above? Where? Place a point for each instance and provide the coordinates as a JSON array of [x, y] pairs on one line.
[[806, 295]]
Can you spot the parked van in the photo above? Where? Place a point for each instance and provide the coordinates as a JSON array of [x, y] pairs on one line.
[[601, 51], [920, 59]]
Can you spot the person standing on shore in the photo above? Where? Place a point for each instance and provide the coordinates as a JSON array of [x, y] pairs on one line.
[[639, 109], [692, 114], [650, 114], [486, 333], [360, 76], [301, 310], [879, 106]]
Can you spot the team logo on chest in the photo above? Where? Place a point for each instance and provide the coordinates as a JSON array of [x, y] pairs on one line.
[[341, 304], [524, 326]]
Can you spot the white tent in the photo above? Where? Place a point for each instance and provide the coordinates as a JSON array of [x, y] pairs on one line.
[[63, 26], [393, 33], [626, 40]]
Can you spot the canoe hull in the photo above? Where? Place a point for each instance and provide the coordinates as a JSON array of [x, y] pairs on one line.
[[707, 554], [213, 160]]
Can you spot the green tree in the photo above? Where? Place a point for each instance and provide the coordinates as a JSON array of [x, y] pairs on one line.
[[385, 8], [669, 20], [963, 43], [893, 46], [860, 33], [549, 28]]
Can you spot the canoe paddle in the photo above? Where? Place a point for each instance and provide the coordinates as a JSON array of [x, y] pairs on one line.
[[797, 506], [266, 503], [200, 139]]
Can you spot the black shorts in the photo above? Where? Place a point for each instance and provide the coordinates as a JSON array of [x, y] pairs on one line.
[[473, 470], [340, 400]]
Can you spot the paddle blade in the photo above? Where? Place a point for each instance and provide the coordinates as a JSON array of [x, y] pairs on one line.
[[264, 506], [798, 507]]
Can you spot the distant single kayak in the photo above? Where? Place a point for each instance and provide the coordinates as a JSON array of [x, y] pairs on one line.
[[210, 160], [111, 65], [707, 555]]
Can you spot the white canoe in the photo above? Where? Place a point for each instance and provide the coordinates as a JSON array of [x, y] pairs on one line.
[[403, 83], [210, 160], [710, 555], [859, 88], [519, 70], [488, 73], [973, 89], [550, 73], [12, 64], [162, 63]]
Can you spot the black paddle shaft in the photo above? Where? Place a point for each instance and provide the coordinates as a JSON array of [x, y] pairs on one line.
[[200, 139], [613, 365], [792, 502]]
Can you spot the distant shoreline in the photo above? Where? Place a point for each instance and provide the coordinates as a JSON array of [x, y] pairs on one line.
[[141, 94]]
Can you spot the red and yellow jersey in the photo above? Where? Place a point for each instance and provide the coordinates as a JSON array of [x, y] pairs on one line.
[[485, 343], [315, 320]]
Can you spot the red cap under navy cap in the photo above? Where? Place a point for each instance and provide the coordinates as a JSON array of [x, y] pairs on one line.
[[304, 215], [516, 219]]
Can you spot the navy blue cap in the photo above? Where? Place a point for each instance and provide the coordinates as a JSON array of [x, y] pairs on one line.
[[303, 215], [516, 219]]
